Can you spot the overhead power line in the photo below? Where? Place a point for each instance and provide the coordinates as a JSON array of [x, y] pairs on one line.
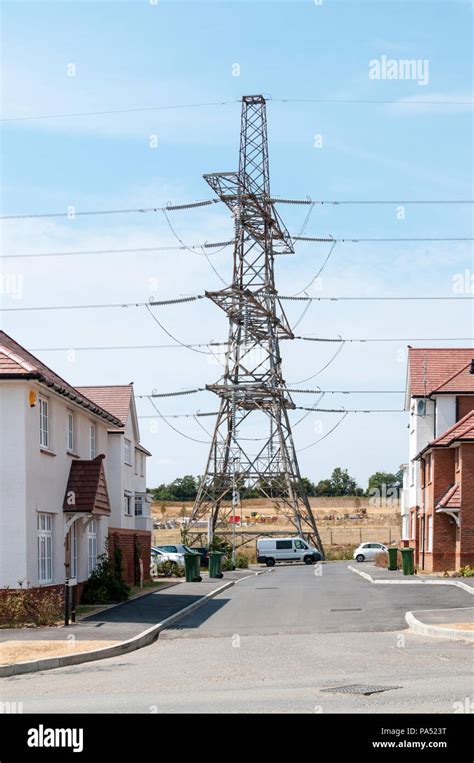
[[117, 111], [352, 410], [336, 202], [387, 339], [298, 408], [141, 210], [347, 391], [101, 348], [290, 389], [137, 109], [196, 297], [355, 240], [372, 101], [193, 205], [133, 250]]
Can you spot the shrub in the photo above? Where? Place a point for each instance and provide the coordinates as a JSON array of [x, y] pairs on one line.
[[338, 554], [31, 606], [242, 562], [467, 571], [227, 563], [106, 584], [169, 570]]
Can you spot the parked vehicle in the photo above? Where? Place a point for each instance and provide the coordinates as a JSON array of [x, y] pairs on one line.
[[157, 556], [175, 552], [271, 550], [366, 552]]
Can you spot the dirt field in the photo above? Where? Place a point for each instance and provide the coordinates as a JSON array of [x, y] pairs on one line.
[[341, 521]]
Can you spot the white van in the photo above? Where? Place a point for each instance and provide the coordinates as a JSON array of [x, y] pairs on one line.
[[271, 550]]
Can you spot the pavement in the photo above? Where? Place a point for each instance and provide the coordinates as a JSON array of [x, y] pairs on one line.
[[123, 628], [274, 643], [126, 620], [383, 575]]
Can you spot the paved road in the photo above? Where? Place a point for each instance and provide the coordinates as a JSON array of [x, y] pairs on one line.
[[271, 644]]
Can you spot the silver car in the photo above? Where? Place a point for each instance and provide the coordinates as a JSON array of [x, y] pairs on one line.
[[366, 552]]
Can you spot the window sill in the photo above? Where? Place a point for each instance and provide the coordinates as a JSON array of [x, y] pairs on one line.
[[72, 454], [47, 451]]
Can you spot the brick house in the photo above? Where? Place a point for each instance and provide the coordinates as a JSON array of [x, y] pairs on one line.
[[72, 475], [447, 499], [437, 502]]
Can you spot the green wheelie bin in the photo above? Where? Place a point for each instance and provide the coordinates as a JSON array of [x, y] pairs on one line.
[[392, 558], [192, 562], [215, 564], [408, 562]]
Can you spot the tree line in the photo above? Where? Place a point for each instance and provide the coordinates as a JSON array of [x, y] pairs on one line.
[[340, 483]]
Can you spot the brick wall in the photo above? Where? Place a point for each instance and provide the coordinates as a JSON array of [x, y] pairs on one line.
[[126, 540], [465, 545], [444, 529]]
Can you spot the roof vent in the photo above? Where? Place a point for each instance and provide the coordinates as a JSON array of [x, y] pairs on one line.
[[471, 371]]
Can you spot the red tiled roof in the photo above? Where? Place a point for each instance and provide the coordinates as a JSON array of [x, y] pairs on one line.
[[16, 362], [446, 370], [451, 499], [461, 430], [115, 398], [87, 488]]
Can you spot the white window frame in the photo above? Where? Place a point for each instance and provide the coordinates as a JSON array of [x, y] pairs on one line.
[[92, 528], [139, 505], [44, 526], [44, 422], [142, 464], [429, 534], [93, 440], [127, 451], [73, 550], [406, 527], [413, 525], [70, 431]]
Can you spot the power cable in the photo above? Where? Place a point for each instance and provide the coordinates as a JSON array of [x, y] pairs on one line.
[[175, 339], [302, 381], [224, 344], [318, 273], [354, 240], [311, 445], [185, 247], [141, 210], [117, 111], [219, 246]]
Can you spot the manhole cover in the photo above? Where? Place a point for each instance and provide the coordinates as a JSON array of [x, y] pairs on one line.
[[360, 689], [348, 609], [270, 588]]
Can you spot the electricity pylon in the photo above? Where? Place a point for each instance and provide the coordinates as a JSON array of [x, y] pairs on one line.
[[252, 386]]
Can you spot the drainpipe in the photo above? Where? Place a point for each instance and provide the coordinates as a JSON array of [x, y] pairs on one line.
[[423, 515]]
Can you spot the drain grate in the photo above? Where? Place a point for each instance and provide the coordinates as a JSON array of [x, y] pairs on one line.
[[269, 588], [360, 689], [348, 609]]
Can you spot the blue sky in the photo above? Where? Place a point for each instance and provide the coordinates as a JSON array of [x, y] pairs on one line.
[[132, 55]]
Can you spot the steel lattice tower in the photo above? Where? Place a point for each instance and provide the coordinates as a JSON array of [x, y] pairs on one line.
[[252, 384]]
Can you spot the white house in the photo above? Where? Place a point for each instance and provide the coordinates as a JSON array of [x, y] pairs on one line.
[[72, 473], [439, 392]]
